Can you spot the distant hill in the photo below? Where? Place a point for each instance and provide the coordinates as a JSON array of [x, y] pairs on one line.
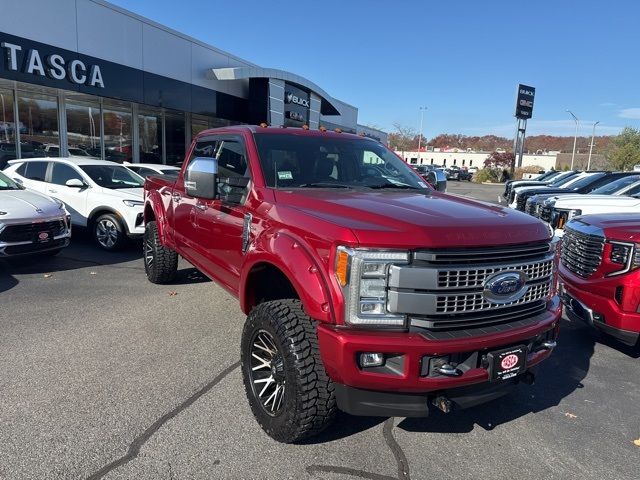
[[489, 143]]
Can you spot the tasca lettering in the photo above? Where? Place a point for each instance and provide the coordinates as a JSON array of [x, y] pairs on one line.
[[53, 66]]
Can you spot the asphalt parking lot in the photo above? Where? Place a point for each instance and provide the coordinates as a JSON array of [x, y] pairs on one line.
[[105, 375]]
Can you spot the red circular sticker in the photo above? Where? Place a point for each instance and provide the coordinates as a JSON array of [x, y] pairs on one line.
[[509, 361]]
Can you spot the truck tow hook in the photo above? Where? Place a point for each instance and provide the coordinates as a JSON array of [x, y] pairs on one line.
[[443, 404], [448, 370], [550, 344]]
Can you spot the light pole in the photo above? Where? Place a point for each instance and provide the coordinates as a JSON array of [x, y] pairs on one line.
[[575, 138], [422, 109], [593, 135]]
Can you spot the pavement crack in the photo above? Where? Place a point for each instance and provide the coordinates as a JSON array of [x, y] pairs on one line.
[[138, 442], [398, 453]]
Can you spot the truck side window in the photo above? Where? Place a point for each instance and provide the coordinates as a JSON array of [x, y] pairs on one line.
[[232, 160]]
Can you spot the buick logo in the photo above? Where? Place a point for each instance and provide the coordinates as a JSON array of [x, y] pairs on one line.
[[292, 98], [505, 287], [509, 362]]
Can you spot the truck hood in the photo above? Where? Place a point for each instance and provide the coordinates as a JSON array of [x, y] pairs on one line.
[[585, 201], [413, 219], [616, 226], [27, 205]]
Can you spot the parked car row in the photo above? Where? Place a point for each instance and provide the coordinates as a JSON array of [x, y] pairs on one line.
[[597, 215], [40, 198]]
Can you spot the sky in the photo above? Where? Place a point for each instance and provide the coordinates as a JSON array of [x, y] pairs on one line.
[[462, 59]]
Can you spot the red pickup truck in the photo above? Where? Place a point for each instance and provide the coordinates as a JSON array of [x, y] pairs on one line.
[[599, 273], [365, 289]]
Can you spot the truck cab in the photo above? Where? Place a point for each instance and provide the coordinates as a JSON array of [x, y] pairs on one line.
[[365, 289]]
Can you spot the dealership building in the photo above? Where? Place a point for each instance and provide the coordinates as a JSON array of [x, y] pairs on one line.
[[87, 77]]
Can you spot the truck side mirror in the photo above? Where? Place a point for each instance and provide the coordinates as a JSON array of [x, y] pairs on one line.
[[201, 178], [437, 179]]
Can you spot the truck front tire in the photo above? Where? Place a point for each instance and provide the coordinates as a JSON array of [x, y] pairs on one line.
[[160, 262], [289, 392]]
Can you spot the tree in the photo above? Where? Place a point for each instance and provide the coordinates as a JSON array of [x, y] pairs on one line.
[[626, 149], [499, 160], [403, 139]]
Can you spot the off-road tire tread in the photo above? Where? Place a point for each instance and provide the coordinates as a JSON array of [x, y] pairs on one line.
[[165, 261], [315, 399]]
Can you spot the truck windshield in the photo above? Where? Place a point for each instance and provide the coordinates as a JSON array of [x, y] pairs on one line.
[[615, 187], [305, 161], [113, 177]]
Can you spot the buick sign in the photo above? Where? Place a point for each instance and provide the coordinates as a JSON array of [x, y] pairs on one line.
[[292, 98], [524, 101], [505, 287]]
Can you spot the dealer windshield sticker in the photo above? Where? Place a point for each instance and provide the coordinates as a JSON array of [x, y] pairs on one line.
[[285, 175]]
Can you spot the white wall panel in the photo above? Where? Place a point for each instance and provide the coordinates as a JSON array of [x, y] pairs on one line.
[[52, 22], [107, 34], [166, 54]]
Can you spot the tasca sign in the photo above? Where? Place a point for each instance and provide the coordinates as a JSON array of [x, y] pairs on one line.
[[53, 65], [524, 101]]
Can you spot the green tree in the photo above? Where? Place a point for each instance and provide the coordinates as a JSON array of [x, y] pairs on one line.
[[626, 149]]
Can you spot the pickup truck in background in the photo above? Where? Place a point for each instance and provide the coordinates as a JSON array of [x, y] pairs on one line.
[[365, 289], [600, 278]]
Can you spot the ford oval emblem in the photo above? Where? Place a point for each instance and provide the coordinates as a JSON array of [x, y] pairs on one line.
[[505, 287]]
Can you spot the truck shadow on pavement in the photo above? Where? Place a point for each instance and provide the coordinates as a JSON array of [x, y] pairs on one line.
[[556, 378]]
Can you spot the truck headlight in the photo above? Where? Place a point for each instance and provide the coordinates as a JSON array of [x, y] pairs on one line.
[[624, 254], [133, 203], [560, 216], [362, 274]]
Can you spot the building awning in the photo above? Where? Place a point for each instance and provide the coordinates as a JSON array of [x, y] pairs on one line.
[[327, 104]]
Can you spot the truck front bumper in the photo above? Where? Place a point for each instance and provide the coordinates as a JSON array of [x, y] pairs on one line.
[[407, 385], [601, 312]]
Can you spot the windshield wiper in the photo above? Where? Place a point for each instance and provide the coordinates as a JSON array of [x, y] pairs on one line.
[[323, 185], [393, 185]]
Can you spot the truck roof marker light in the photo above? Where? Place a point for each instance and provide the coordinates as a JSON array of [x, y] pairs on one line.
[[305, 127], [322, 129], [342, 267], [337, 130], [264, 124]]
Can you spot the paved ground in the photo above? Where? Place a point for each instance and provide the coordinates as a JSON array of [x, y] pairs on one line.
[[104, 375]]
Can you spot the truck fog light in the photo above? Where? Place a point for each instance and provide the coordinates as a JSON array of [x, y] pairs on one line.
[[370, 359], [371, 308]]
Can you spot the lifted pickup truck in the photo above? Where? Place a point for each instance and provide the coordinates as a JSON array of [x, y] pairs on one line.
[[365, 288]]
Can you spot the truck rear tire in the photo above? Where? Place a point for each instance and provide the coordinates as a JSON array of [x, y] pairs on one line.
[[289, 391], [160, 262]]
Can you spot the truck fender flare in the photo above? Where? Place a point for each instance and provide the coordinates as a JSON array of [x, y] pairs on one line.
[[154, 203], [299, 266]]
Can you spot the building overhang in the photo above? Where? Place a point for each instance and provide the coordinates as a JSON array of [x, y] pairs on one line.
[[327, 103]]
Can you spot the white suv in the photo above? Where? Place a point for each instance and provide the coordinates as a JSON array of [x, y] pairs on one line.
[[103, 196]]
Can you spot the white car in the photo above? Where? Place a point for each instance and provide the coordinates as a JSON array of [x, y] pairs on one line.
[[562, 209], [103, 196], [30, 223], [146, 169], [567, 185]]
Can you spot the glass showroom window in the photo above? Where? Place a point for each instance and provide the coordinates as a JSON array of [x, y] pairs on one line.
[[7, 128], [174, 135], [38, 115], [117, 131], [83, 126], [150, 131]]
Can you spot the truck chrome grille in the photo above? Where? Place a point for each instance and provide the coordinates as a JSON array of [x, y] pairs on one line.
[[472, 302], [520, 203], [581, 252], [531, 208], [443, 289], [471, 278], [545, 214]]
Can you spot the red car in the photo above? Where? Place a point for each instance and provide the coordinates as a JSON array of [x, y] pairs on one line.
[[365, 289], [600, 275]]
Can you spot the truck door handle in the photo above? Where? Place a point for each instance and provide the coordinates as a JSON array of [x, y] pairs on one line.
[[201, 206], [53, 191], [176, 197]]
